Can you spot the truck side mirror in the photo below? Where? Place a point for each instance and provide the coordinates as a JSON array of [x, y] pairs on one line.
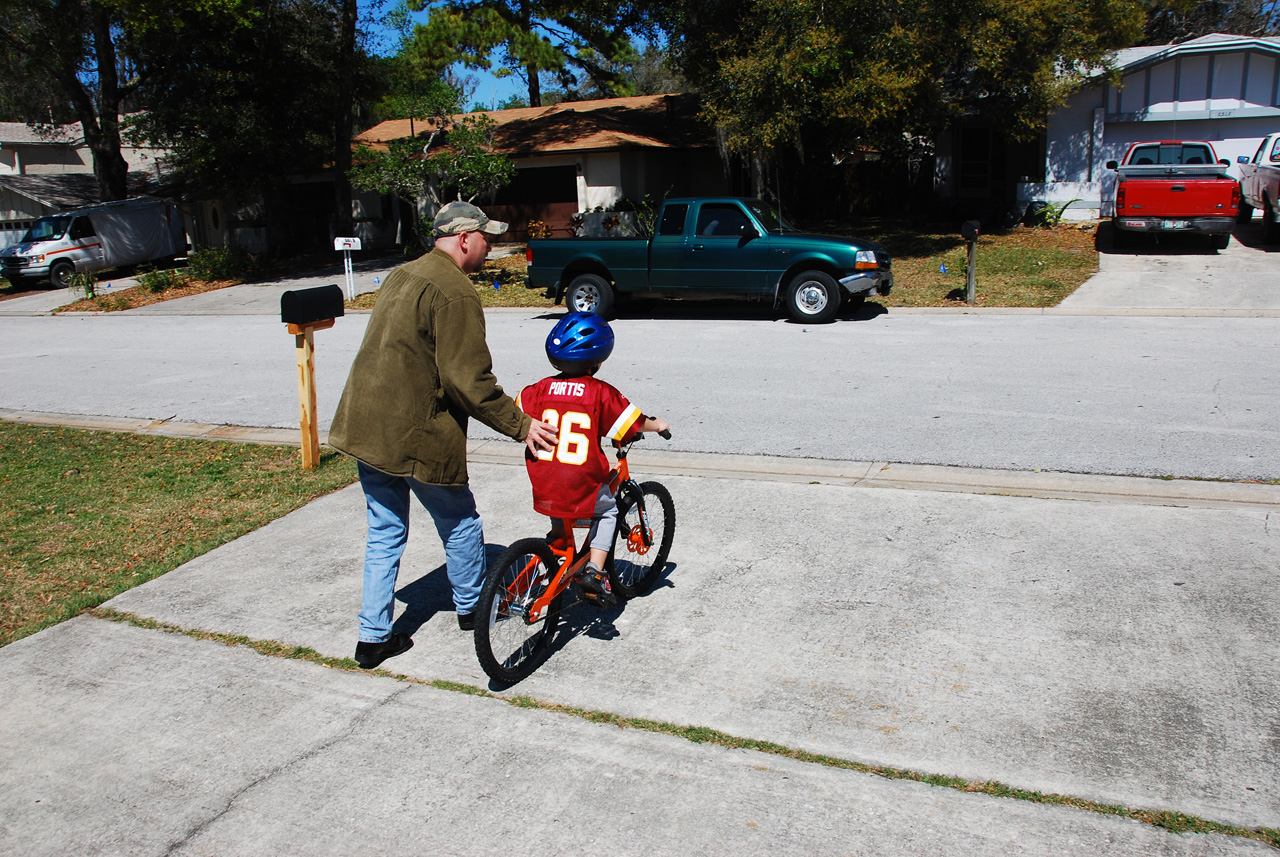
[[1224, 162], [746, 230], [1112, 165], [1242, 159]]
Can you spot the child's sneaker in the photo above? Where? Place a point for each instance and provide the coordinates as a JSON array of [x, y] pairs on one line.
[[595, 586]]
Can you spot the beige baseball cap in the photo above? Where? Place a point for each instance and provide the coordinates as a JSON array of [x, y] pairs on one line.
[[458, 217]]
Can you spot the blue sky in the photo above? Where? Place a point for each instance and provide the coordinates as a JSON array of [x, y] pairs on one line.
[[489, 90]]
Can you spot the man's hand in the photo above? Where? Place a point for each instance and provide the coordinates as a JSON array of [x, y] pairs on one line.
[[541, 437]]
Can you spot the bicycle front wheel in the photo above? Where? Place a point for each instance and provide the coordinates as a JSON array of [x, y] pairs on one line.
[[646, 525], [509, 645]]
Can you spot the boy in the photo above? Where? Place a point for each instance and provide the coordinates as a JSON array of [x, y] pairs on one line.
[[569, 481]]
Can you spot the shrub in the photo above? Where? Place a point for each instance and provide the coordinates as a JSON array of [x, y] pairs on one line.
[[84, 283], [221, 263], [160, 281]]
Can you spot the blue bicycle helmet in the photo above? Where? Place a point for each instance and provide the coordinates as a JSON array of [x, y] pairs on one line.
[[579, 342]]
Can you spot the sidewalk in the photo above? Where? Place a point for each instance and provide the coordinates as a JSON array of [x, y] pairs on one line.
[[1118, 652]]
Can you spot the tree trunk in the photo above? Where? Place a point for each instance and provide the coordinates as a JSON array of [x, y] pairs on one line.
[[535, 86], [342, 131], [103, 136]]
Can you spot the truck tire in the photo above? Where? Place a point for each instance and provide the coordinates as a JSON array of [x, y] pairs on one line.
[[590, 293], [1245, 214], [1268, 221], [60, 274], [1220, 240], [1120, 238], [813, 297]]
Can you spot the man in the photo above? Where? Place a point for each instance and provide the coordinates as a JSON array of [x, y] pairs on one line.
[[422, 370]]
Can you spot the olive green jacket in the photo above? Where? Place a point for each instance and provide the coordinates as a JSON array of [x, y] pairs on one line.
[[421, 371]]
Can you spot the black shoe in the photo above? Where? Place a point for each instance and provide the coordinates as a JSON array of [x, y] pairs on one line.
[[467, 621], [369, 655], [595, 587]]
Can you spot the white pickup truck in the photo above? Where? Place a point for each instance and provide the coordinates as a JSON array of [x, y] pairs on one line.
[[94, 238], [1260, 186]]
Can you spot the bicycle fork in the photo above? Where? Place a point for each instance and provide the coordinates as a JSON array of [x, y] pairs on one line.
[[640, 537]]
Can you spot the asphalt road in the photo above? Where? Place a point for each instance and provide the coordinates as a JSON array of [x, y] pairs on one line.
[[1188, 397]]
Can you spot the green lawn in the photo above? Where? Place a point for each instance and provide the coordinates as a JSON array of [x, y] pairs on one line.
[[86, 515]]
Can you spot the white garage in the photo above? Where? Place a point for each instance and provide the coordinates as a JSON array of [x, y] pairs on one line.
[[1220, 88]]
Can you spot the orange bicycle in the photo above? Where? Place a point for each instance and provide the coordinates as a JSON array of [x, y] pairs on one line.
[[534, 581]]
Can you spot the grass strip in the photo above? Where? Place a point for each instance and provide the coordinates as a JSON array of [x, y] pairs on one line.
[[1174, 822], [86, 515]]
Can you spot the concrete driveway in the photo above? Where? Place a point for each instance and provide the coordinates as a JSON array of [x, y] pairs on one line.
[[1184, 276]]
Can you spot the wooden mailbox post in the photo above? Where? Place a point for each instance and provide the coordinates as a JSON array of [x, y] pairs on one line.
[[306, 311]]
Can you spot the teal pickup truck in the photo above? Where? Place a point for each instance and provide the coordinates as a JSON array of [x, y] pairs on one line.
[[713, 247]]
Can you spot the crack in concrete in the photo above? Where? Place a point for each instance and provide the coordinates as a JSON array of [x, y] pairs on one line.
[[281, 768]]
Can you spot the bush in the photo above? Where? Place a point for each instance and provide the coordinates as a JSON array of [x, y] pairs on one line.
[[160, 281], [84, 283], [221, 263]]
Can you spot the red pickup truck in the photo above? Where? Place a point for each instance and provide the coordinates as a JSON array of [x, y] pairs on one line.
[[1174, 186]]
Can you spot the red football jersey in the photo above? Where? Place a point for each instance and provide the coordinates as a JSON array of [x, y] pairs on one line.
[[583, 410]]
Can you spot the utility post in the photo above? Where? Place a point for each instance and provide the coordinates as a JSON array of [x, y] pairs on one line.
[[969, 230]]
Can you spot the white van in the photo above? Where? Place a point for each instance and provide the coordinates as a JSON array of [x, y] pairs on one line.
[[94, 238]]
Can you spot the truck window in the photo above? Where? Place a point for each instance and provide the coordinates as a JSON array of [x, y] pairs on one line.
[[81, 228], [1275, 150], [1175, 154], [673, 217], [46, 228], [1262, 147], [720, 220]]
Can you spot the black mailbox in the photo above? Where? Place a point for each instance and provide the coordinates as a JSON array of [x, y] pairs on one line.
[[969, 230], [307, 306]]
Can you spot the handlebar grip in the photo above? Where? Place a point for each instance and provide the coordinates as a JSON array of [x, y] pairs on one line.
[[665, 435]]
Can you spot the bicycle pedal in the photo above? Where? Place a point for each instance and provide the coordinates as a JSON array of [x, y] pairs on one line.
[[603, 600]]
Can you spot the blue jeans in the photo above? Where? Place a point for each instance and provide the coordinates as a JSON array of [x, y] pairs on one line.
[[453, 509]]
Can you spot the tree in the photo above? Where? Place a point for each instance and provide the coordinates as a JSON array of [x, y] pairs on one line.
[[565, 38], [243, 108], [1181, 20], [463, 164], [878, 74], [88, 59]]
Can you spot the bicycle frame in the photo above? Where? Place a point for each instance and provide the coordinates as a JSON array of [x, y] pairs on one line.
[[571, 560]]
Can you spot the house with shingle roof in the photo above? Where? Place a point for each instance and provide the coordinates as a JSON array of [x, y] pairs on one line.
[[580, 156], [43, 171]]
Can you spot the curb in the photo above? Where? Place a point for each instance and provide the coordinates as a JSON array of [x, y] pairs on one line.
[[1186, 493]]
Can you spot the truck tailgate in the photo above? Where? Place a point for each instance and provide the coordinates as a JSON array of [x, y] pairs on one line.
[[1181, 196]]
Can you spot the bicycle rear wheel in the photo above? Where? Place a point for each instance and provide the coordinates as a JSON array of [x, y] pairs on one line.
[[508, 646], [639, 557]]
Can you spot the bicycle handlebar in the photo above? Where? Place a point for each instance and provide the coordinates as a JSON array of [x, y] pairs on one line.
[[665, 434]]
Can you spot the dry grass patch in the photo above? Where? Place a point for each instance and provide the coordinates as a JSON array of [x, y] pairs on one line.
[[1023, 267], [85, 515]]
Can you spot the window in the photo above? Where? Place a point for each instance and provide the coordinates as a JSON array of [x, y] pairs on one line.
[[673, 217], [718, 220], [1275, 150], [1175, 154], [81, 228]]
